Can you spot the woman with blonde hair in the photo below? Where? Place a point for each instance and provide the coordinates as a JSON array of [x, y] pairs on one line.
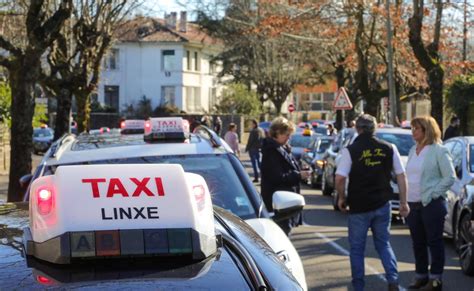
[[279, 170], [430, 174]]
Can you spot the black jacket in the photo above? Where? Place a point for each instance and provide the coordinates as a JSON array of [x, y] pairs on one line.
[[450, 132], [255, 140], [280, 171]]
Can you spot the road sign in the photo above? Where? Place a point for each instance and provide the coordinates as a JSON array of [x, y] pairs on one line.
[[291, 108], [342, 101]]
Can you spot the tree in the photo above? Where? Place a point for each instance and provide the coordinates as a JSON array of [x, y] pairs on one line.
[[238, 99], [42, 22], [76, 57], [429, 56], [5, 103], [460, 97]]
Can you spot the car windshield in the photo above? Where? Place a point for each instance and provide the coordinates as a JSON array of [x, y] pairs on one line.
[[300, 141], [224, 184], [403, 142], [42, 132], [324, 145]]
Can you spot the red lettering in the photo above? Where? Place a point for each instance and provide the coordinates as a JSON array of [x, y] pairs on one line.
[[116, 187], [94, 185], [159, 187], [141, 187]]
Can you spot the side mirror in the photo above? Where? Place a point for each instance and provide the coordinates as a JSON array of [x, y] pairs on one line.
[[25, 181], [287, 204]]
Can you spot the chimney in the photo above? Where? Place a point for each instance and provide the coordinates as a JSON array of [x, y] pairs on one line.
[[183, 22], [167, 19], [173, 22]]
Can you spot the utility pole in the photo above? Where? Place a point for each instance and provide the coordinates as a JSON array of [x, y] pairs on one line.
[[391, 81]]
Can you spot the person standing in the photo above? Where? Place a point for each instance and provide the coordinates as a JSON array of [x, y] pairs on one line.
[[253, 147], [331, 130], [453, 128], [368, 163], [279, 170], [218, 125], [232, 139], [430, 174]]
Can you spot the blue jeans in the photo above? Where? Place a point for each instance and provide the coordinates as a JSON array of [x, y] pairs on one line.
[[255, 159], [379, 222], [426, 230]]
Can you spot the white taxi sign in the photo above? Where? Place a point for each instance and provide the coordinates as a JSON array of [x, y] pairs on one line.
[[164, 128], [115, 197], [133, 124]]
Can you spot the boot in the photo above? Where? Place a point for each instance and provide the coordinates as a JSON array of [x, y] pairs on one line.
[[433, 285], [418, 283], [393, 287]]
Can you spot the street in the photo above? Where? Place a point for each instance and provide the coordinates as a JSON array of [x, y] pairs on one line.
[[324, 249]]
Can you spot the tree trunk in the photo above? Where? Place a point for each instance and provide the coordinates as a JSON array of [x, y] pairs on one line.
[[22, 83], [435, 80], [83, 112], [63, 110]]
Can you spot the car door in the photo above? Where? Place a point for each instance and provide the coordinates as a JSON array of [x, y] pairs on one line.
[[457, 151]]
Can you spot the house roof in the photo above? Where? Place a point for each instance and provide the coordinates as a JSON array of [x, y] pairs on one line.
[[147, 29]]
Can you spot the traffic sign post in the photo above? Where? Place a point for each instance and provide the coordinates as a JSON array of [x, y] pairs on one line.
[[342, 102]]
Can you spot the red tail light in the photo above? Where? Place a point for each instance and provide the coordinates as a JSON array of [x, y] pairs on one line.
[[199, 195], [122, 124], [45, 200], [147, 126], [306, 150], [44, 280]]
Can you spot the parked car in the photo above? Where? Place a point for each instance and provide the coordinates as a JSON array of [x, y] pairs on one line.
[[265, 125], [300, 142], [401, 138], [459, 222], [42, 139], [314, 158]]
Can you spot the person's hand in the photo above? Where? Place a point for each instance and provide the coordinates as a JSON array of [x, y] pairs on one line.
[[404, 210], [341, 203], [305, 174]]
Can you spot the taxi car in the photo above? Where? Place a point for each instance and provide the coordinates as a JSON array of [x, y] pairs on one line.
[[203, 153], [133, 226], [42, 139], [313, 158]]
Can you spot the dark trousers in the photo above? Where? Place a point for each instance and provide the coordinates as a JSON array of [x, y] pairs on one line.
[[426, 230], [255, 159]]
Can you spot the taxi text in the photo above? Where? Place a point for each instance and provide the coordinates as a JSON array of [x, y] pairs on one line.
[[116, 187]]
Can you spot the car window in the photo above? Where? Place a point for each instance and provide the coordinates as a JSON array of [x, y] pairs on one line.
[[471, 158], [42, 132], [403, 142], [224, 184], [300, 141], [321, 130], [324, 145]]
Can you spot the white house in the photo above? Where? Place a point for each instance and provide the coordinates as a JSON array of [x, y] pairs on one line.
[[165, 61]]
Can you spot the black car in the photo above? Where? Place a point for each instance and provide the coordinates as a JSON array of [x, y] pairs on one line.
[[42, 139], [459, 222], [313, 158], [242, 258]]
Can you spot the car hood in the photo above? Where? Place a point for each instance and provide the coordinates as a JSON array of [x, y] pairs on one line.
[[42, 139]]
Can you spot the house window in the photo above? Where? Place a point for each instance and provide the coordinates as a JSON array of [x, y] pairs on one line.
[[168, 94], [212, 98], [169, 62], [328, 98], [111, 97], [112, 60], [189, 61], [196, 61], [193, 99]]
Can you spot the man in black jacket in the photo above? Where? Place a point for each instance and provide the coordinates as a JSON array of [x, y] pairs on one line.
[[368, 163], [453, 128], [280, 171]]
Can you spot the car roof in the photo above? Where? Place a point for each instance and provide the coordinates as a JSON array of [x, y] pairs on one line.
[[467, 139], [89, 148]]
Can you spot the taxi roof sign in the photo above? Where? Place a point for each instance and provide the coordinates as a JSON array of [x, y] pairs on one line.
[[166, 129], [171, 209]]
